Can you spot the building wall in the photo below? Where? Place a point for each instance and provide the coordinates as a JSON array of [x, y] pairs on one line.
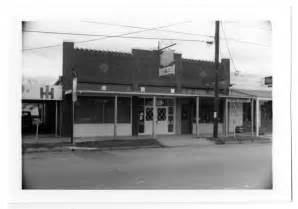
[[98, 130], [206, 129], [132, 70], [137, 68]]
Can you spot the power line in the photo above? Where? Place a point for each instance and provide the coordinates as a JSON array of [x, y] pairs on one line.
[[229, 51], [138, 27], [123, 34], [105, 36], [110, 36], [264, 28], [177, 32], [113, 36], [247, 42]]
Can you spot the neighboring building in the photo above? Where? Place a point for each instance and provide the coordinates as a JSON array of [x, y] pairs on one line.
[[44, 104], [123, 94]]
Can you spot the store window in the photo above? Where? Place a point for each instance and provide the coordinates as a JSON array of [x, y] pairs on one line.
[[206, 111], [124, 108], [101, 110], [94, 110]]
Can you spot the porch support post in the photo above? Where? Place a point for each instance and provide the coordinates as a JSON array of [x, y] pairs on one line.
[[197, 115], [115, 116], [226, 119], [257, 116], [252, 116], [154, 118], [56, 118]]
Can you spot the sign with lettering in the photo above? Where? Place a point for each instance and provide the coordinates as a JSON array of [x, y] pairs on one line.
[[42, 92], [167, 63], [167, 70], [268, 81]]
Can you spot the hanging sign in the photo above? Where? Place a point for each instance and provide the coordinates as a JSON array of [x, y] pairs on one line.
[[74, 89], [167, 63], [170, 70]]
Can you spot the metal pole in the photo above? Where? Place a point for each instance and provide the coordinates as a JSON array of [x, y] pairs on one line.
[[197, 115], [115, 116], [56, 118], [215, 123], [36, 135], [252, 116], [60, 116], [72, 121], [154, 119], [257, 116]]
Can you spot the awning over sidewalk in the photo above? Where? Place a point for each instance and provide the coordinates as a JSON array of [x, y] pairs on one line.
[[86, 89], [262, 94]]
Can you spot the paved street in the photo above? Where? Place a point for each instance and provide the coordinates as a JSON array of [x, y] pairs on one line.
[[230, 166]]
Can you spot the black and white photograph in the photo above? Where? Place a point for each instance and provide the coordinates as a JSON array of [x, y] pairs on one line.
[[150, 104], [132, 105]]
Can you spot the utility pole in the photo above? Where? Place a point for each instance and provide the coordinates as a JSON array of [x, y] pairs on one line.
[[215, 114]]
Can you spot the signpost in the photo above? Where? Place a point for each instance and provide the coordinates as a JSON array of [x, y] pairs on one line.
[[36, 122], [74, 99]]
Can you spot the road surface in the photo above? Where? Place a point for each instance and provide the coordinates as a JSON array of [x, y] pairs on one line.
[[230, 166]]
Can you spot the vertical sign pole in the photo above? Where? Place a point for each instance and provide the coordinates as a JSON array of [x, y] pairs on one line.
[[36, 136], [56, 119], [60, 119], [215, 123], [72, 121], [73, 100], [252, 116], [257, 116], [197, 115], [154, 118], [115, 116]]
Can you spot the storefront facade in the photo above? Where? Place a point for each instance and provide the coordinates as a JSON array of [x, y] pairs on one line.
[[124, 94]]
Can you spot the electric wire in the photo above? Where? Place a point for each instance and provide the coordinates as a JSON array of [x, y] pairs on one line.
[[177, 32], [229, 51], [138, 27], [113, 36], [120, 35], [124, 35]]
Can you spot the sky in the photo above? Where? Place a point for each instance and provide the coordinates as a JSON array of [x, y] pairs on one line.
[[247, 42]]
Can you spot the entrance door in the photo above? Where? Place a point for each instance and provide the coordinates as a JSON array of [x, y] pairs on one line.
[[162, 120], [186, 123], [161, 123], [148, 120]]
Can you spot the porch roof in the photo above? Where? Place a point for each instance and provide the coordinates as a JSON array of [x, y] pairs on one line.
[[92, 90], [263, 94]]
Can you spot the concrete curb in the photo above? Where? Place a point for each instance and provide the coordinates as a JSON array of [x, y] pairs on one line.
[[74, 148]]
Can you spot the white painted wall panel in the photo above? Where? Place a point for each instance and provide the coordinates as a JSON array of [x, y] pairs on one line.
[[207, 128], [106, 129]]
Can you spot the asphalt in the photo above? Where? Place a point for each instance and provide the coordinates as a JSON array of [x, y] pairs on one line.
[[229, 166]]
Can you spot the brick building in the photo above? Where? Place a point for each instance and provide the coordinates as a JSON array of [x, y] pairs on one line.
[[122, 94]]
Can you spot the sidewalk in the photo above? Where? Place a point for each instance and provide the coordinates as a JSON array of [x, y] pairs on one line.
[[184, 141], [51, 143]]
